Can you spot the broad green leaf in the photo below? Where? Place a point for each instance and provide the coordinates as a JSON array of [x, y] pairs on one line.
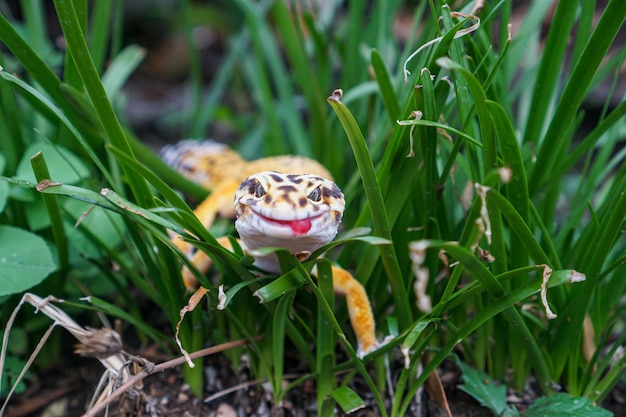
[[36, 216], [93, 225], [348, 400], [12, 368], [64, 166], [25, 260], [564, 405], [483, 388]]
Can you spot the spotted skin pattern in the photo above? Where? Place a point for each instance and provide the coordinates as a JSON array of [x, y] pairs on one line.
[[296, 211]]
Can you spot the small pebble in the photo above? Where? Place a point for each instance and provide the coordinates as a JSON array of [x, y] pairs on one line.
[[225, 410]]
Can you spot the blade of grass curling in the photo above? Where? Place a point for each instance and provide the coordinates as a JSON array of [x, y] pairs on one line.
[[377, 206], [575, 90], [77, 46], [456, 52], [484, 117], [385, 87]]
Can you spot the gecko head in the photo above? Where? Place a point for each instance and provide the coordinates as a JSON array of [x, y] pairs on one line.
[[299, 212]]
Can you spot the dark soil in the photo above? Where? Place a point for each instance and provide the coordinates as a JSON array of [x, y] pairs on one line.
[[66, 388]]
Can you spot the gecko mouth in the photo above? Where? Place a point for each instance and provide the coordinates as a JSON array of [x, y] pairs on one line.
[[299, 227]]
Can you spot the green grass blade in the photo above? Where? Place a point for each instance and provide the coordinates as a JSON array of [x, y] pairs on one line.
[[281, 315], [77, 46], [306, 75], [40, 168], [326, 341], [550, 69], [379, 213], [558, 278], [121, 68], [552, 146], [42, 102], [520, 228], [100, 33], [385, 86]]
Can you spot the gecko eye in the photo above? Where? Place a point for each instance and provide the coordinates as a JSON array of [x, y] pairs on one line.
[[315, 195], [259, 191]]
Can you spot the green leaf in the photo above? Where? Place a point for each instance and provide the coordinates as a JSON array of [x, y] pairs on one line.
[[121, 68], [483, 389], [280, 286], [415, 333], [380, 221], [12, 368], [96, 224], [281, 315], [64, 165], [4, 195], [348, 400], [564, 405], [385, 86], [25, 260], [77, 47]]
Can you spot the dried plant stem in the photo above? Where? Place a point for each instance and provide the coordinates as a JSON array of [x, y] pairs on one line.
[[149, 370]]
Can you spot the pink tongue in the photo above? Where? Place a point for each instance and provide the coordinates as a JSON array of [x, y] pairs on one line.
[[300, 227]]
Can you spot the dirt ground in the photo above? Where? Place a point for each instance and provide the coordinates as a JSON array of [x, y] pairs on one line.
[[66, 388]]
